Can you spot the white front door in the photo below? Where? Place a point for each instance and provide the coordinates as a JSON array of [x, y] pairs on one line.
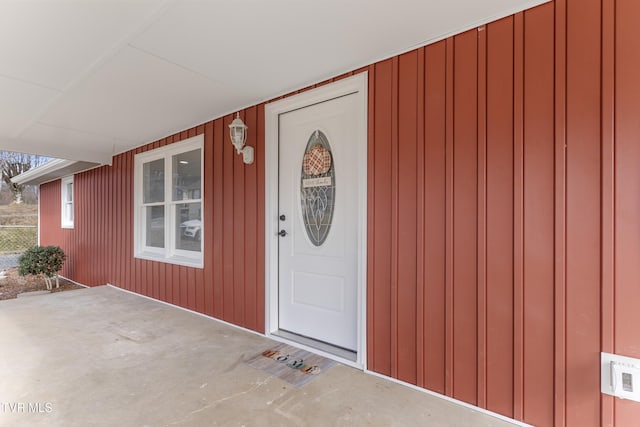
[[318, 222], [316, 210]]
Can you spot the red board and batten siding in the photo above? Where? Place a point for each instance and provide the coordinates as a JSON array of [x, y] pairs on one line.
[[100, 247], [621, 151], [504, 206]]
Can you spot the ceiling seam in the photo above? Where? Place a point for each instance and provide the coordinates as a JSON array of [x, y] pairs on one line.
[[108, 54], [30, 83]]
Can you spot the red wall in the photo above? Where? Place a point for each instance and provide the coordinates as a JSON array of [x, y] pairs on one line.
[[100, 247], [504, 193]]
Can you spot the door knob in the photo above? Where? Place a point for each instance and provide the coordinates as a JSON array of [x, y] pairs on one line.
[[282, 217], [282, 233]]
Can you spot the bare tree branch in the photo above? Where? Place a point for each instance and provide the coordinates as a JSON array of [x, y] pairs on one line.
[[13, 164]]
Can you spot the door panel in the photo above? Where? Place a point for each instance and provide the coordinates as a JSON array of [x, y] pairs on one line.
[[318, 280]]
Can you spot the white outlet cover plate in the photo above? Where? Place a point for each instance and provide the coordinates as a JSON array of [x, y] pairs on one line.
[[606, 386]]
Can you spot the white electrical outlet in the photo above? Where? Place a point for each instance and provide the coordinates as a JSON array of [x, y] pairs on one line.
[[620, 376]]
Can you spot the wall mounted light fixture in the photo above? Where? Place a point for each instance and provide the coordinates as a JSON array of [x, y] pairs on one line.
[[238, 134]]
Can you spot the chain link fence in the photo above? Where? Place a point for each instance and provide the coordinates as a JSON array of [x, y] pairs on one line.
[[15, 239]]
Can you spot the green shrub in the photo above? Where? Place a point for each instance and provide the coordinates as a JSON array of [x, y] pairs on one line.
[[44, 260]]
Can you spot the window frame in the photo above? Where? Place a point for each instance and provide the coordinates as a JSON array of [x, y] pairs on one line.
[[169, 254], [65, 221]]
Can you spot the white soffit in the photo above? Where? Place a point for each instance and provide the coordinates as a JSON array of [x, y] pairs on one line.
[[51, 43], [88, 79], [149, 97], [19, 101], [57, 142]]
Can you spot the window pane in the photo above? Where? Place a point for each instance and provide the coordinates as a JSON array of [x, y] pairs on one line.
[[155, 226], [189, 227], [317, 188], [186, 175], [153, 181], [69, 192], [68, 212]]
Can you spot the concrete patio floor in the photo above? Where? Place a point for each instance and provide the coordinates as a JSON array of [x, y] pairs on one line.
[[104, 357]]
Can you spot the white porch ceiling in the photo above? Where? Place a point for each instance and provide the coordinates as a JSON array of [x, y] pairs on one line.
[[86, 79]]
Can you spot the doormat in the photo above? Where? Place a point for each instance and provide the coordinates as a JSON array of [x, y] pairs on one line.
[[290, 364]]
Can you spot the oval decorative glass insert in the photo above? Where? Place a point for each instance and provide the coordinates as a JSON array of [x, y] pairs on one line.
[[317, 188]]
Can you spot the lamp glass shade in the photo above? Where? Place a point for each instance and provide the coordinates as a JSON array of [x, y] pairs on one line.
[[238, 133]]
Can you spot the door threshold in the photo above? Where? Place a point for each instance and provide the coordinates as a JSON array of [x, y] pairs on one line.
[[339, 352]]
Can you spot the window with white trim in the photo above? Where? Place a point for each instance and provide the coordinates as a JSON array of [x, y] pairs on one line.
[[168, 203], [67, 202]]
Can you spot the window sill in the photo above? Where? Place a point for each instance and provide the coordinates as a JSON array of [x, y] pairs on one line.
[[176, 259]]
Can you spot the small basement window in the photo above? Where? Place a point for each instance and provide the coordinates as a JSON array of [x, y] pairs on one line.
[[67, 202], [168, 203]]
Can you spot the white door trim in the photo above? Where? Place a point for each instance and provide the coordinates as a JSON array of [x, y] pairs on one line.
[[357, 85]]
